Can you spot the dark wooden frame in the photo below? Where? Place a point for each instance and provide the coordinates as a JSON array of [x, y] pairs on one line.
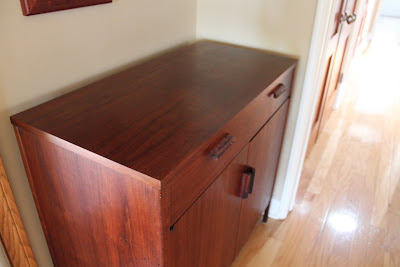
[[12, 231], [33, 7]]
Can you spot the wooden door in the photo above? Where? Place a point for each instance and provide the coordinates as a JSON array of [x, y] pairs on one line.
[[206, 234], [339, 33], [264, 151]]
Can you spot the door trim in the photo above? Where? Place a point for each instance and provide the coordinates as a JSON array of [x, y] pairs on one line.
[[12, 231], [281, 208], [306, 111]]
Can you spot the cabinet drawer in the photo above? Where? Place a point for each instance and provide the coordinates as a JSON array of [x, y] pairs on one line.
[[196, 173]]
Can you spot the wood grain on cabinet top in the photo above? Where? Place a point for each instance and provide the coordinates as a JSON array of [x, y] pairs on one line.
[[152, 116]]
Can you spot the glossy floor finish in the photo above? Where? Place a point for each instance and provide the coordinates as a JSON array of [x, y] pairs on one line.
[[347, 210]]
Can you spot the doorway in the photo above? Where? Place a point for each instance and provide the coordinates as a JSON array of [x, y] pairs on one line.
[[342, 23], [347, 210]]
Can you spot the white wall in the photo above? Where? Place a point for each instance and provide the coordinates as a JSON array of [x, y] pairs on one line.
[[391, 8], [44, 56], [284, 26]]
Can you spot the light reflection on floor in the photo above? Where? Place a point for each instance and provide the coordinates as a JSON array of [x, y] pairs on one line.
[[343, 222]]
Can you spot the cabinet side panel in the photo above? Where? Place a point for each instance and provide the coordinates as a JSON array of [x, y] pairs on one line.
[[92, 215]]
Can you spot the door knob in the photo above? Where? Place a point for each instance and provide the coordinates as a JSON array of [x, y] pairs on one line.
[[349, 18]]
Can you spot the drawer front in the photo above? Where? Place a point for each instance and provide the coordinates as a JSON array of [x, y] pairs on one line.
[[194, 175]]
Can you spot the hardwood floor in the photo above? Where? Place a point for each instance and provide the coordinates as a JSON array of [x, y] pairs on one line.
[[347, 210]]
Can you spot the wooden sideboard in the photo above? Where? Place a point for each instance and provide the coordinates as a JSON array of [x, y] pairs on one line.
[[169, 163]]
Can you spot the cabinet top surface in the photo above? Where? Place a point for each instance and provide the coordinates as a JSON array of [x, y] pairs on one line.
[[153, 115]]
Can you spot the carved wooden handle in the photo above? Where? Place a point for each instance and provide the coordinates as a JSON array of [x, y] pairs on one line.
[[279, 90], [246, 187], [222, 146]]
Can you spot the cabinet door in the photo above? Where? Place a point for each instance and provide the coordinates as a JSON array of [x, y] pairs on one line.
[[206, 234], [264, 151]]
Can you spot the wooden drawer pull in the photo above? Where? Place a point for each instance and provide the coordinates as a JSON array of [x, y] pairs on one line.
[[247, 182], [222, 146], [279, 90]]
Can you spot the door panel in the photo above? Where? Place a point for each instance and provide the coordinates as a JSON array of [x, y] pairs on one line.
[[336, 68], [206, 234], [333, 83], [264, 151], [340, 31], [319, 107], [328, 64], [336, 19]]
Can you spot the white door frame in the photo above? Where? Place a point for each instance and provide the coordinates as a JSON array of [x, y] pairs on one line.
[[307, 105], [306, 110]]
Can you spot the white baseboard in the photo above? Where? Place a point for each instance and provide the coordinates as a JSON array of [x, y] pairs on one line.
[[275, 211]]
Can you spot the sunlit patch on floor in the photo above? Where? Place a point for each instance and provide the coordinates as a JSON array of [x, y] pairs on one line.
[[343, 222]]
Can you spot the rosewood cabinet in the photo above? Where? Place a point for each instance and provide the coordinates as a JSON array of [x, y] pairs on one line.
[[169, 163]]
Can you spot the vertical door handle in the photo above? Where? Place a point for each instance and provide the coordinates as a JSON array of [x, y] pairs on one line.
[[247, 185]]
